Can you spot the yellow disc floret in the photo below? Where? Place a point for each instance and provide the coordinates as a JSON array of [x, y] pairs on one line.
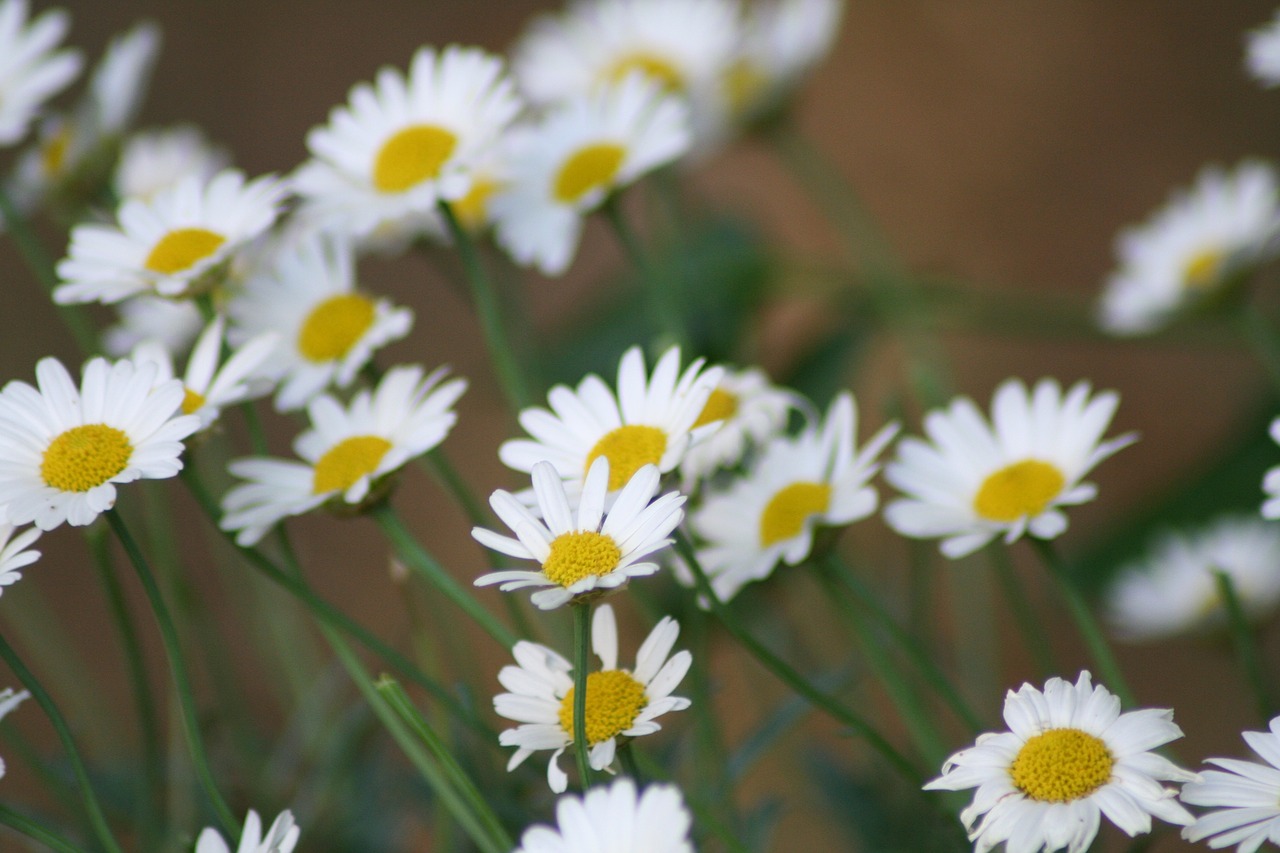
[[472, 209], [182, 249], [192, 401], [1061, 765], [787, 511], [1203, 268], [580, 554], [614, 699], [589, 167], [85, 457], [628, 449], [657, 68], [720, 406], [1023, 488], [334, 326], [347, 461], [411, 156]]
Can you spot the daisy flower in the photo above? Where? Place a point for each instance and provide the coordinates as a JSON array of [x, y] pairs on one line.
[[1248, 793], [348, 452], [614, 818], [8, 701], [152, 162], [31, 70], [405, 142], [1203, 241], [620, 704], [281, 837], [1069, 757], [1173, 590], [588, 552], [14, 554], [581, 152], [768, 515], [172, 324], [782, 40], [327, 329], [1262, 52], [63, 449], [973, 481], [171, 245], [1271, 482], [750, 411], [648, 422]]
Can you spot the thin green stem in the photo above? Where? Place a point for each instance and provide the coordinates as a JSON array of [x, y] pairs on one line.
[[663, 301], [1262, 338], [36, 831], [1246, 648], [1030, 626], [581, 668], [626, 756]]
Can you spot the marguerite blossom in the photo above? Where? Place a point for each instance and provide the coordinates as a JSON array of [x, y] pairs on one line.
[[1247, 795], [152, 162], [1069, 757], [31, 70], [620, 703], [8, 701], [173, 324], [750, 411], [614, 818], [14, 555], [281, 837], [1262, 52], [583, 549], [972, 481]]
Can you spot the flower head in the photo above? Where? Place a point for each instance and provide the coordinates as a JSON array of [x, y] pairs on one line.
[[154, 161], [31, 70], [172, 324], [1248, 794], [750, 411], [614, 818], [1262, 52], [281, 837]]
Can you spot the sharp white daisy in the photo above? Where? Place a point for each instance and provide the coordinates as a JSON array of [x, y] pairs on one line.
[[15, 554], [818, 478], [1173, 590], [63, 449], [616, 819], [1203, 241], [1262, 52], [579, 153], [156, 160], [32, 70], [621, 704], [8, 701], [1247, 797], [281, 837], [581, 550], [1070, 756], [348, 452], [174, 324], [972, 481], [328, 330], [173, 245], [750, 410]]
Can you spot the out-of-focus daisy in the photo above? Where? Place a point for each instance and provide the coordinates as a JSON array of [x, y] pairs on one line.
[[818, 478], [1173, 590], [1262, 52], [1271, 482], [63, 449], [14, 555], [1248, 795], [173, 324], [152, 162], [281, 837], [973, 481], [620, 704], [1068, 758], [648, 422], [347, 454], [614, 818], [750, 411], [8, 701], [327, 328], [585, 149], [31, 70], [586, 551], [403, 143], [170, 245], [1201, 242]]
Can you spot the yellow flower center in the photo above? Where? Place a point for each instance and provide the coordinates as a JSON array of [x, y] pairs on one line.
[[182, 249], [411, 156], [1203, 268], [347, 461], [614, 699], [785, 514], [85, 457], [1023, 488], [720, 406], [581, 554], [1061, 765], [192, 401], [744, 82], [590, 166], [53, 154], [658, 68], [472, 209], [628, 449], [334, 326]]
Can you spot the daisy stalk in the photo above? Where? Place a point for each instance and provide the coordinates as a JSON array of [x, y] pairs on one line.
[[581, 662], [1262, 338], [31, 829], [663, 302], [1029, 625], [1243, 640]]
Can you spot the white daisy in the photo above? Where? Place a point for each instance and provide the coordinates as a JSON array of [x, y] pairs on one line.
[[750, 410], [281, 837], [818, 478], [14, 555], [1200, 243], [152, 162], [1248, 793], [584, 552], [620, 704], [171, 244], [63, 449], [31, 70], [1271, 482], [613, 818], [583, 150], [782, 41], [8, 701], [402, 143], [1173, 590], [328, 330], [1069, 757], [171, 323], [1262, 52], [973, 481], [648, 422], [348, 452]]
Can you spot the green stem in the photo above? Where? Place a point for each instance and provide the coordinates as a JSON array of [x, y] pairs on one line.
[[629, 764], [31, 829], [581, 668], [1030, 626], [663, 301], [1246, 648], [1261, 335]]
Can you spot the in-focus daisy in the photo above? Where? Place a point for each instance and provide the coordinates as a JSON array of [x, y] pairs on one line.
[[14, 555], [648, 422], [327, 328], [818, 478], [174, 324], [171, 245], [584, 549], [347, 454], [281, 837], [614, 818], [1262, 52], [8, 701], [1173, 589], [1068, 758], [63, 449], [620, 703], [152, 162], [583, 150], [1248, 795], [750, 411], [31, 70], [973, 481], [1200, 243], [404, 142]]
